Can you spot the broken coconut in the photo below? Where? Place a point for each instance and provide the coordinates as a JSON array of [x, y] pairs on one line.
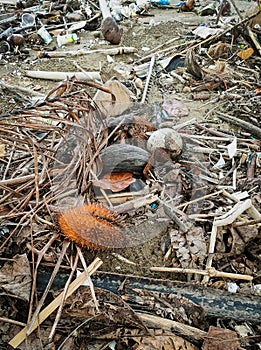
[[167, 139], [122, 157]]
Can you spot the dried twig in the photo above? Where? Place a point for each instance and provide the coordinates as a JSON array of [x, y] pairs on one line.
[[88, 278], [254, 130], [180, 328], [65, 291], [198, 199], [41, 302], [211, 272], [8, 320]]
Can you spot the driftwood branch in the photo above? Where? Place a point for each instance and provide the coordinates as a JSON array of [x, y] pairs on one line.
[[63, 75], [176, 327], [22, 89], [216, 303], [114, 51]]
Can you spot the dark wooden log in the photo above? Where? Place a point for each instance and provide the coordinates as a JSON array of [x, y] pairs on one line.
[[216, 303]]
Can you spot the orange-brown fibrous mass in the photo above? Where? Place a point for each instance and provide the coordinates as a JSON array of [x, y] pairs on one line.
[[91, 226]]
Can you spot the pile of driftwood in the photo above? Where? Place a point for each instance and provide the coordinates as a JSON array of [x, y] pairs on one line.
[[165, 205], [191, 189]]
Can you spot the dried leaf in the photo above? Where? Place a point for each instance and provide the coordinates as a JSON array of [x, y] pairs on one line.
[[115, 181], [15, 278], [245, 54], [219, 50], [114, 311], [221, 339], [166, 342]]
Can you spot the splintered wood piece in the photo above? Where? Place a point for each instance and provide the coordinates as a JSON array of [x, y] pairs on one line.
[[229, 217], [163, 323]]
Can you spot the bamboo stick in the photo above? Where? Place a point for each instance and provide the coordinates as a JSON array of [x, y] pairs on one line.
[[82, 52], [210, 272]]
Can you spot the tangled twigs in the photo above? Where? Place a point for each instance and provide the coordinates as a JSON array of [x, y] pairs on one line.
[[68, 122], [41, 302], [35, 270], [65, 291], [37, 132], [21, 336], [254, 130]]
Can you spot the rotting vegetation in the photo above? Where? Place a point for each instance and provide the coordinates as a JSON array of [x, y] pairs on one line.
[[183, 268]]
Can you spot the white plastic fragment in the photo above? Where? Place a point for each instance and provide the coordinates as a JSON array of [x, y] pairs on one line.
[[86, 282], [232, 148], [232, 287], [220, 163]]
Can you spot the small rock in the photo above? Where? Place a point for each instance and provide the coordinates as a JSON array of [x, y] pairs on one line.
[[175, 108], [186, 89], [111, 31]]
